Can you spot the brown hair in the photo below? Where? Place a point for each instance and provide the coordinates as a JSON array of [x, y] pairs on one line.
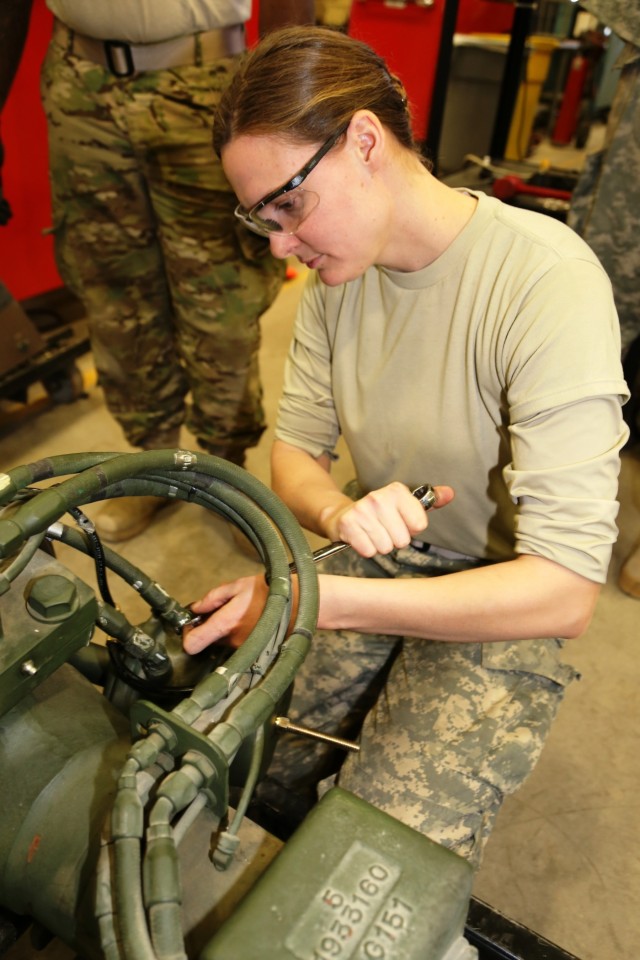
[[304, 83]]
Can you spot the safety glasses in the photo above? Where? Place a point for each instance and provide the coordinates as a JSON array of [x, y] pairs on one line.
[[284, 210]]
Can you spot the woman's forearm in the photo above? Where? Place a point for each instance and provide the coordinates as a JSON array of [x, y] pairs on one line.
[[305, 485], [519, 599]]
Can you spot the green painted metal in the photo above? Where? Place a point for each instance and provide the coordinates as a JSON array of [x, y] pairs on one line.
[[47, 616], [61, 749], [352, 884], [98, 807]]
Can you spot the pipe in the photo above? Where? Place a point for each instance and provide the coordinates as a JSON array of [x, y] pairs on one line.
[[227, 489]]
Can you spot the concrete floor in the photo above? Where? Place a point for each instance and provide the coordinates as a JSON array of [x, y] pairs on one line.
[[564, 859]]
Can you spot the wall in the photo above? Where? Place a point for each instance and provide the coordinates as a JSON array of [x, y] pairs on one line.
[[27, 264]]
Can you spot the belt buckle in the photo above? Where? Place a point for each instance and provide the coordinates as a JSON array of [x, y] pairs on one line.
[[119, 58]]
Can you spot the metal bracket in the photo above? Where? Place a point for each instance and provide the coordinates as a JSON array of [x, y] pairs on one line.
[[144, 716]]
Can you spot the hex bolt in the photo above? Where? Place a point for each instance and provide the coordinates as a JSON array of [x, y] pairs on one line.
[[28, 668], [51, 598]]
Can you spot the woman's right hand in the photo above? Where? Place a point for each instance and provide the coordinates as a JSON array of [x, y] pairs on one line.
[[234, 610], [382, 520]]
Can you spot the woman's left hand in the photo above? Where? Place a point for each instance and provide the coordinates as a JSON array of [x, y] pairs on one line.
[[381, 520], [235, 609]]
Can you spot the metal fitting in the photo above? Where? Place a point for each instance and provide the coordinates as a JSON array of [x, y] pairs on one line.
[[51, 598]]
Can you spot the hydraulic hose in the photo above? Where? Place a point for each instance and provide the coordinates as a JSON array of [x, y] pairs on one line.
[[113, 476], [102, 478], [20, 562], [228, 840], [127, 828], [151, 592], [47, 469], [96, 551], [132, 920], [266, 657]]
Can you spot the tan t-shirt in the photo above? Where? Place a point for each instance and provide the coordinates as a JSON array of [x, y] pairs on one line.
[[148, 21], [496, 370]]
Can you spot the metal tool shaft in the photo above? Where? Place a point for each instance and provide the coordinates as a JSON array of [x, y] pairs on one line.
[[285, 724]]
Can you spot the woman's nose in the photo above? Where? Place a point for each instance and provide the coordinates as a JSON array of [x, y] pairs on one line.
[[282, 244]]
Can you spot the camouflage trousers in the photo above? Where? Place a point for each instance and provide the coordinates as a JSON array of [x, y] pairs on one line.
[[145, 235], [446, 730]]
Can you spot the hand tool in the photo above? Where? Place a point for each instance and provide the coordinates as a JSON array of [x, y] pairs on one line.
[[424, 493]]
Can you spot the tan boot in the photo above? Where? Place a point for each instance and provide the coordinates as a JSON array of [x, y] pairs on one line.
[[629, 578], [126, 517]]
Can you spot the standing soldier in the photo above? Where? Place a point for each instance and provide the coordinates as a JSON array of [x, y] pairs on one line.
[[606, 212], [172, 285]]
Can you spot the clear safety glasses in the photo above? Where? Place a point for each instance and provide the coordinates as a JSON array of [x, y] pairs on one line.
[[284, 210]]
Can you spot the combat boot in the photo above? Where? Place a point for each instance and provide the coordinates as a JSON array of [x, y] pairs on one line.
[[126, 517]]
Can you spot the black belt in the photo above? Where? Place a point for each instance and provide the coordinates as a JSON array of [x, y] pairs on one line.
[[423, 547]]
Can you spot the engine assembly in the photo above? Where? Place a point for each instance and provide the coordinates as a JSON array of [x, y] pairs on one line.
[[128, 766]]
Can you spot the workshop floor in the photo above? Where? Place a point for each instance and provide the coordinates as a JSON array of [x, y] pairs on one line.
[[564, 859]]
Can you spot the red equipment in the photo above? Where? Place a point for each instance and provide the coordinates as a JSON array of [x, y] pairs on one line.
[[505, 188], [569, 113], [409, 35], [408, 38], [27, 263]]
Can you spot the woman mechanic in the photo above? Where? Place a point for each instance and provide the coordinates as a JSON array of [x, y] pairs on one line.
[[448, 338]]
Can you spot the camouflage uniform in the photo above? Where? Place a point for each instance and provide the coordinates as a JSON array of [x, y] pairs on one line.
[[606, 202], [145, 235], [447, 729]]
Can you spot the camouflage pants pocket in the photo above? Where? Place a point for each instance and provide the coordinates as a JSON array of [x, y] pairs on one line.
[[448, 740], [446, 730]]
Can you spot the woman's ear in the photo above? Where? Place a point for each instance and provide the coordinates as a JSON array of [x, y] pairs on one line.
[[367, 135]]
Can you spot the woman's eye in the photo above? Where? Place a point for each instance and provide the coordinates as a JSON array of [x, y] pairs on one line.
[[288, 204]]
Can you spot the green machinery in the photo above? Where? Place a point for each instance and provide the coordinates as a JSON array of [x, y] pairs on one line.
[[117, 757]]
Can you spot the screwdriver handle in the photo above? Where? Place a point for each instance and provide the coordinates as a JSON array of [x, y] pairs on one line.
[[424, 493]]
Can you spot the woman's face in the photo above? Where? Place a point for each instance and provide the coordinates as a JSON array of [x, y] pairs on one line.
[[341, 236]]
